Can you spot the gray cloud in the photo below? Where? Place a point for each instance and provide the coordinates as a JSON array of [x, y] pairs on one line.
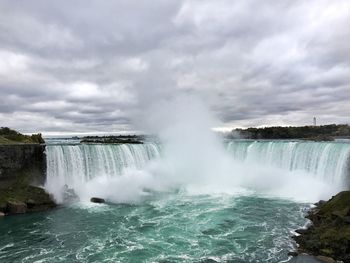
[[74, 66]]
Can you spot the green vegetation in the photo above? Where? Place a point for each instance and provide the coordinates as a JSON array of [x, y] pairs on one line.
[[3, 140], [330, 233], [132, 139], [339, 205], [34, 198], [325, 132], [20, 192], [9, 136]]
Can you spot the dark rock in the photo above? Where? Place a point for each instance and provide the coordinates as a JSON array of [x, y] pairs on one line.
[[3, 207], [22, 162], [21, 165], [319, 203], [304, 258], [329, 234], [97, 200], [31, 203], [326, 259], [16, 207], [347, 219], [24, 198], [301, 231]]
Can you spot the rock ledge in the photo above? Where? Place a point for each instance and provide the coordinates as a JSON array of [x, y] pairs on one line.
[[22, 198], [329, 235]]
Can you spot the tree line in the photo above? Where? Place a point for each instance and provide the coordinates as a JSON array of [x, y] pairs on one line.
[[322, 132]]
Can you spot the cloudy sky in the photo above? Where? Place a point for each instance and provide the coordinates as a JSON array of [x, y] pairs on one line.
[[74, 66]]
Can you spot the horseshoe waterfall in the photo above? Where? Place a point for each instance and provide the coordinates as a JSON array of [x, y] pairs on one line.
[[75, 165], [238, 201]]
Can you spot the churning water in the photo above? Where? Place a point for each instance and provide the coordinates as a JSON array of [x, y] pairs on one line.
[[240, 209]]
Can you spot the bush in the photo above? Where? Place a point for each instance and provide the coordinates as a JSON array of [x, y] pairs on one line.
[[14, 136]]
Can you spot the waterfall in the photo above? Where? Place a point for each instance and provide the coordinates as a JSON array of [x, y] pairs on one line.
[[328, 161], [73, 165]]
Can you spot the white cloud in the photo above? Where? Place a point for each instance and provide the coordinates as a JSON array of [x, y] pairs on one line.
[[85, 90], [12, 63]]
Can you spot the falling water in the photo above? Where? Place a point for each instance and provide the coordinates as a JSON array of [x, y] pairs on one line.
[[328, 161], [74, 166]]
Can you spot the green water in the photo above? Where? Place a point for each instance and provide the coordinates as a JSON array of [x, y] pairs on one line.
[[164, 228]]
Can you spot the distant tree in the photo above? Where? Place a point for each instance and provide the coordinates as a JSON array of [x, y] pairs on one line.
[[293, 132]]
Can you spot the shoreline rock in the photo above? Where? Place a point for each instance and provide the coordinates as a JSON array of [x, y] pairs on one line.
[[16, 207], [328, 237], [21, 198]]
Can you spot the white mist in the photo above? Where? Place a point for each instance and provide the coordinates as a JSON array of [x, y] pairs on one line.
[[194, 159]]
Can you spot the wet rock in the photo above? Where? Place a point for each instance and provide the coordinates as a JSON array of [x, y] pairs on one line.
[[326, 259], [347, 219], [301, 231], [2, 214], [23, 198], [22, 162], [304, 258], [329, 234], [97, 200], [3, 207], [16, 207], [30, 203]]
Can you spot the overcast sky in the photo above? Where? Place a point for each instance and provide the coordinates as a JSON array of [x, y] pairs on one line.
[[75, 66]]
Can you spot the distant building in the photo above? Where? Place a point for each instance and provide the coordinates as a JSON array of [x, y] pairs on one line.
[[315, 121]]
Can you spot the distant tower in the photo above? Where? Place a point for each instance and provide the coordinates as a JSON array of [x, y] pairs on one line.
[[314, 121]]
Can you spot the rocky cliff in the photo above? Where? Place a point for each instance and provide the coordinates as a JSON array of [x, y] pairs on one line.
[[22, 170], [22, 160]]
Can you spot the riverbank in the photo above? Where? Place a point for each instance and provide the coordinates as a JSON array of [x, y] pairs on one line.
[[21, 197], [329, 234]]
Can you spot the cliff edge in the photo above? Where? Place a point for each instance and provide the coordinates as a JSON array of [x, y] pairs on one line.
[[22, 172]]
